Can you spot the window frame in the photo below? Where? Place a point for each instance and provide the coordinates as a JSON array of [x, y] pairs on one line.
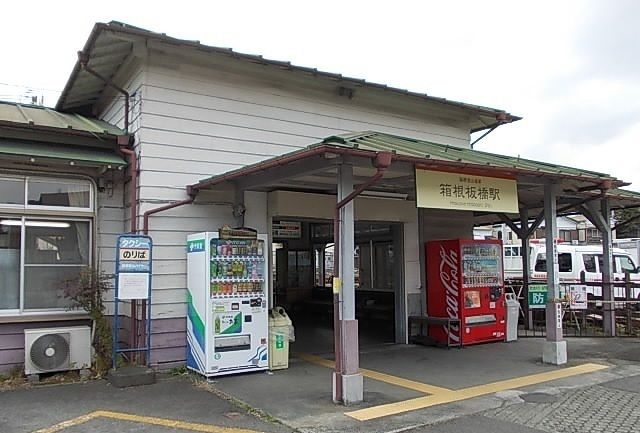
[[26, 207], [48, 213]]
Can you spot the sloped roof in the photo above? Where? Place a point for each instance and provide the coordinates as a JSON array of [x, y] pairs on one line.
[[110, 44], [377, 141], [44, 118], [313, 169]]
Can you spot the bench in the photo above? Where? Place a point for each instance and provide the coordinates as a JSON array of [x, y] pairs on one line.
[[423, 338]]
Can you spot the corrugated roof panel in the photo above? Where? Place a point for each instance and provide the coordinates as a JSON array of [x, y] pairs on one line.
[[62, 153], [36, 116], [376, 141]]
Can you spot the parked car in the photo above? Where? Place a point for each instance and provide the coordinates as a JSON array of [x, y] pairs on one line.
[[575, 259]]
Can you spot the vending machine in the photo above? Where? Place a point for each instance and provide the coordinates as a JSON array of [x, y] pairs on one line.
[[227, 316], [465, 282]]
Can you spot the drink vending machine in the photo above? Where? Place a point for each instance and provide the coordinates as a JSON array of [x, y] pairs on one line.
[[465, 282], [227, 316]]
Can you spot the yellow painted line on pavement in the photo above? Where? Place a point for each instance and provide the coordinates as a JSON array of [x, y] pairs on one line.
[[405, 383], [382, 377], [170, 423], [66, 424], [163, 422], [466, 393]]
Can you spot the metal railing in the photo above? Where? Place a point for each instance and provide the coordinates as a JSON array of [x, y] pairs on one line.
[[587, 320]]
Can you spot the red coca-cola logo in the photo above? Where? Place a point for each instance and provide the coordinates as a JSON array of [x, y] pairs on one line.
[[451, 282]]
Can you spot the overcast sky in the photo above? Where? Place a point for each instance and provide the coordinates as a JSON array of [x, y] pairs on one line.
[[570, 68]]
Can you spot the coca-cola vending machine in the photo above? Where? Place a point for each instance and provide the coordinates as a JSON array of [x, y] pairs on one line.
[[465, 282]]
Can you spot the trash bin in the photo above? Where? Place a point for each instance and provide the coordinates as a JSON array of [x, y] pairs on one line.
[[513, 307], [280, 333]]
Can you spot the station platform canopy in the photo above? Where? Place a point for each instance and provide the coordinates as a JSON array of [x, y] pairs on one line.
[[314, 170]]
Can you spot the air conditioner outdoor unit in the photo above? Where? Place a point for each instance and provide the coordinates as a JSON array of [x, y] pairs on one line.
[[57, 349]]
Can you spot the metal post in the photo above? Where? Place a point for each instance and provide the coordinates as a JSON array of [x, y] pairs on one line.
[[349, 378], [526, 266], [609, 316], [555, 348]]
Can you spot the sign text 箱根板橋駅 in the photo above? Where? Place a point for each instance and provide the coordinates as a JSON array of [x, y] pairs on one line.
[[460, 191]]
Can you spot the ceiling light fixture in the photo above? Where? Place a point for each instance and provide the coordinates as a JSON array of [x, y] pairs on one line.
[[52, 224]]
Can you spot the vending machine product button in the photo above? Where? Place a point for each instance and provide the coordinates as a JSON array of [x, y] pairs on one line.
[[235, 306], [248, 318]]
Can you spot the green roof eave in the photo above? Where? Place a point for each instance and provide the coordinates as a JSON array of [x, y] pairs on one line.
[[376, 141], [82, 156]]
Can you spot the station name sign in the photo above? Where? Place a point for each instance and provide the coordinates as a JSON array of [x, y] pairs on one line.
[[460, 191]]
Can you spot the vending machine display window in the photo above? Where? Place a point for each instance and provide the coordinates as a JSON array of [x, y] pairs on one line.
[[472, 299]]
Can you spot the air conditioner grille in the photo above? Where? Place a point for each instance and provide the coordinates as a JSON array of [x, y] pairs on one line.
[[50, 352]]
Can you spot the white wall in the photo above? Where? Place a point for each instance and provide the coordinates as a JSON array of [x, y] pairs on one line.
[[198, 121]]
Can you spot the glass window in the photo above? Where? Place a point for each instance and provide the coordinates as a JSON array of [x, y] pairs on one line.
[[624, 264], [55, 252], [564, 262], [10, 240], [56, 193], [589, 261], [362, 261], [298, 268], [328, 265], [12, 191], [383, 266]]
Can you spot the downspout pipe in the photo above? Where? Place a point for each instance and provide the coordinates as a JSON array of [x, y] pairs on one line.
[[147, 214], [83, 58], [132, 157], [145, 230], [382, 161]]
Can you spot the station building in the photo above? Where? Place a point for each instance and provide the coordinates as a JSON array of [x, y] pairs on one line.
[[164, 136]]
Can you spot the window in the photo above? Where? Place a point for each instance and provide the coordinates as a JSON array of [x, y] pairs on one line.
[[565, 235], [624, 264], [12, 191], [589, 261], [564, 262], [298, 268], [40, 253], [10, 241], [59, 194], [32, 192]]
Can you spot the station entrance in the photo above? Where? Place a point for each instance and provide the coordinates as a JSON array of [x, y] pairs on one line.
[[303, 270]]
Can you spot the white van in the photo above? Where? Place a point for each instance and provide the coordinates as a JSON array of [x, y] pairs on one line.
[[574, 259]]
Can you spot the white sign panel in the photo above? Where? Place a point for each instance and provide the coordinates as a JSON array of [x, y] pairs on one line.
[[287, 230], [577, 297], [133, 285]]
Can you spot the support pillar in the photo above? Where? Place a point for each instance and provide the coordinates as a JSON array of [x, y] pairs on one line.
[[600, 216], [609, 314], [555, 348], [526, 266], [349, 378]]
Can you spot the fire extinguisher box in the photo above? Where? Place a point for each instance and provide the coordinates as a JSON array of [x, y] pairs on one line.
[[465, 282]]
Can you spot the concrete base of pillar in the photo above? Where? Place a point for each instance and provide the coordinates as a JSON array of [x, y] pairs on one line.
[[554, 352], [352, 389]]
